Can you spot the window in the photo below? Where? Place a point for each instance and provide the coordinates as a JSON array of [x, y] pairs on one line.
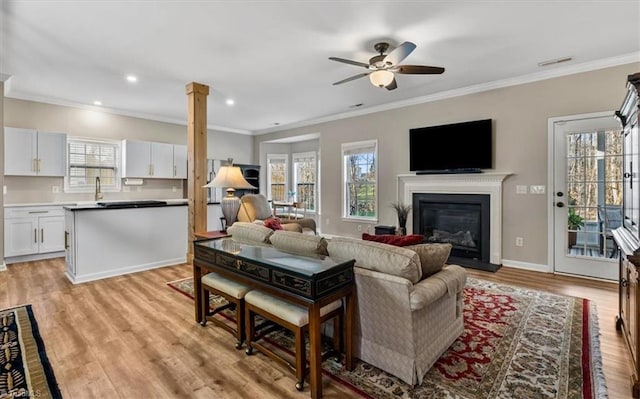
[[277, 176], [360, 176], [304, 179], [88, 159]]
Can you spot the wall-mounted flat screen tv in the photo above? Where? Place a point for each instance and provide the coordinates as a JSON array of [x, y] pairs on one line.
[[458, 147]]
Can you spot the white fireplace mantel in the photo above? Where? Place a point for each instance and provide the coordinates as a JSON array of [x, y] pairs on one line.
[[489, 183]]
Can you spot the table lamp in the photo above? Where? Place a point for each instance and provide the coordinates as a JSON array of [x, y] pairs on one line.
[[229, 177]]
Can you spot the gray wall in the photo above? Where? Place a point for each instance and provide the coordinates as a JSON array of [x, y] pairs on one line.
[[96, 124], [520, 115]]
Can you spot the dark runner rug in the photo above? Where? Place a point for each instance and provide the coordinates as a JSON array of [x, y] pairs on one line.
[[25, 371], [517, 343]]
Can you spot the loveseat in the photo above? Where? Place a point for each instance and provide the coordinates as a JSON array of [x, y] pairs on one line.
[[409, 303]]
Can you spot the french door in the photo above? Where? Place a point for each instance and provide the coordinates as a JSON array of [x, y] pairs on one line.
[[587, 193]]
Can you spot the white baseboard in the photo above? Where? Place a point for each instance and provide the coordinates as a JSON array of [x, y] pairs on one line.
[[29, 258], [83, 278], [527, 266], [3, 267]]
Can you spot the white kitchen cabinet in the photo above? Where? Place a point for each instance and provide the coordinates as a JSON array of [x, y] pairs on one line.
[[179, 161], [145, 159], [29, 152], [33, 230]]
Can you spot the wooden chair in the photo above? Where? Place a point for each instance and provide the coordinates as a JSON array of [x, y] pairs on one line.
[[292, 317], [234, 293]]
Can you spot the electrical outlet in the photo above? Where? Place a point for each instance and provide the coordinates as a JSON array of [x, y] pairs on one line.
[[537, 189], [4, 190], [174, 189], [55, 189], [138, 188], [126, 189], [519, 242], [360, 228], [327, 221], [521, 189]]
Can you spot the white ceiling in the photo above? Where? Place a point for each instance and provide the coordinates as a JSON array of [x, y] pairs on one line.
[[271, 57]]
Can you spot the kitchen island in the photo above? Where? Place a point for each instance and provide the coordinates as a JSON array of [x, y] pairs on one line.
[[125, 237]]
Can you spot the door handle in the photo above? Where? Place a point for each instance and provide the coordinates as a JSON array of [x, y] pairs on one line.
[[35, 235], [66, 240], [41, 235], [560, 204]]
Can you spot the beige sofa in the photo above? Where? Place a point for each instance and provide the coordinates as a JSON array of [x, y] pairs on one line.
[[404, 321]]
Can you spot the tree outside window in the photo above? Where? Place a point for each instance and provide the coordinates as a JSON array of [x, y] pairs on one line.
[[277, 177], [304, 165], [360, 179]]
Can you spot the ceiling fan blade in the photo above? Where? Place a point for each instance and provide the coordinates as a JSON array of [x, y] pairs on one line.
[[399, 53], [356, 63], [393, 85], [418, 69], [354, 77]]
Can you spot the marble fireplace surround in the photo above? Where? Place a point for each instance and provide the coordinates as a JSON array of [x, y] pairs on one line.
[[489, 183]]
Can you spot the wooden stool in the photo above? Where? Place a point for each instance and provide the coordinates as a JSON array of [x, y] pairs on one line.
[[292, 317], [234, 293]]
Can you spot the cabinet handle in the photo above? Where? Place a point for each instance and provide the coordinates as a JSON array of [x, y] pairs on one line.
[[66, 240], [41, 235], [624, 282], [38, 212], [35, 235]]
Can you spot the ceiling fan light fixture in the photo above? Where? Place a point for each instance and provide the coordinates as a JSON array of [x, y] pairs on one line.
[[381, 78]]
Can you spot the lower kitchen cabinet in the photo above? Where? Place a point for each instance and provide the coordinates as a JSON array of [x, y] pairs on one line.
[[33, 230]]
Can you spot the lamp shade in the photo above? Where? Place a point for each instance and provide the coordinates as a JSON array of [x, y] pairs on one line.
[[381, 78], [229, 177]]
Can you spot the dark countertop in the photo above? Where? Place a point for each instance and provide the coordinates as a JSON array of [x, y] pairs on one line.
[[104, 205]]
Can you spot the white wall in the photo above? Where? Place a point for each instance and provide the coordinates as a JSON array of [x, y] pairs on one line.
[[520, 115], [96, 124]]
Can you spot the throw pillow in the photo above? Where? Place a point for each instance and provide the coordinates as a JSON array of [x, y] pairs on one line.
[[432, 257], [398, 241], [250, 232], [273, 223], [301, 244]]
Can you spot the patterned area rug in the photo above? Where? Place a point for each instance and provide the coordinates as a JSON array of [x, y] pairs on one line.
[[517, 343], [25, 371]]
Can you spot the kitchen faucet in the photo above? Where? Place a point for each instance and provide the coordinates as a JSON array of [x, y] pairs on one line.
[[98, 195]]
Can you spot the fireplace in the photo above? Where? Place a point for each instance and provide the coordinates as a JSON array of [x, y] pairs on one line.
[[463, 220], [488, 184]]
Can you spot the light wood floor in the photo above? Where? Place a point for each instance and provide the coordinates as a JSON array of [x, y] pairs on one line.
[[132, 336]]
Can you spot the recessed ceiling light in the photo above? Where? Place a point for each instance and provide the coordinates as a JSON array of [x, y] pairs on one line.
[[132, 78], [230, 102], [276, 124], [97, 102]]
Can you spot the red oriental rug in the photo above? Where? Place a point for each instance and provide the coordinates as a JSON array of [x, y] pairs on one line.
[[517, 343]]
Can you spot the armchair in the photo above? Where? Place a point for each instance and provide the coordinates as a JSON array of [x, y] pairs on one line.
[[256, 207]]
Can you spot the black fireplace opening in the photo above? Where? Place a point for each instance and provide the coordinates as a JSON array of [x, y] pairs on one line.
[[463, 220]]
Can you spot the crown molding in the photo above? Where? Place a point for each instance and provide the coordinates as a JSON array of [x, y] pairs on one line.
[[559, 71], [116, 111]]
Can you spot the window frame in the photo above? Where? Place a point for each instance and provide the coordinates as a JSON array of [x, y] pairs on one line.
[[308, 154], [284, 157], [90, 188], [345, 148]]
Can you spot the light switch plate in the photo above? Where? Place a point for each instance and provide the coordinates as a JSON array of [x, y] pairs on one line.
[[521, 189], [4, 190], [537, 189]]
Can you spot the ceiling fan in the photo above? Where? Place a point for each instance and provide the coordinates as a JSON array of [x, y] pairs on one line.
[[382, 67]]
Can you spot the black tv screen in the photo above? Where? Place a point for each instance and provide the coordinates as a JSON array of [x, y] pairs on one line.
[[466, 146]]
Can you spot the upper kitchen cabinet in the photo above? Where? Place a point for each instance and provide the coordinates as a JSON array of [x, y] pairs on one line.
[[144, 159], [29, 152]]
